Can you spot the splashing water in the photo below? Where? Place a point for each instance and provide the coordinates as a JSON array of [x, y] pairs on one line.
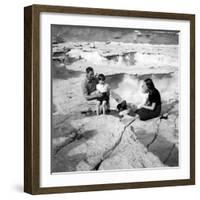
[[128, 87]]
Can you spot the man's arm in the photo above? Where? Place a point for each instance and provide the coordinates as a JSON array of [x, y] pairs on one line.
[[92, 96], [85, 91], [88, 97]]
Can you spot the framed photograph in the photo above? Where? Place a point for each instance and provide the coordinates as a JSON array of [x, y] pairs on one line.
[[109, 99]]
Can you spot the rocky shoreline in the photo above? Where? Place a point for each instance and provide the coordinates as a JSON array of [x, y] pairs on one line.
[[85, 142]]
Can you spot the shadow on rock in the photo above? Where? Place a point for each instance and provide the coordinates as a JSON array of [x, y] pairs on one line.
[[161, 147], [59, 71], [66, 159], [67, 163], [170, 108]]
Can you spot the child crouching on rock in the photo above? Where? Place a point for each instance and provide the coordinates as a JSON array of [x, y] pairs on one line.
[[103, 101]]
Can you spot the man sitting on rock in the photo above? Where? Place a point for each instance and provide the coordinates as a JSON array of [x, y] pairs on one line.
[[89, 87]]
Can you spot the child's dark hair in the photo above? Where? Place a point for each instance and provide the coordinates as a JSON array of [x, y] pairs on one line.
[[89, 69], [101, 77]]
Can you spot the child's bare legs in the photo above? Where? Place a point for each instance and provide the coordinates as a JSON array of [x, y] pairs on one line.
[[104, 107], [98, 110]]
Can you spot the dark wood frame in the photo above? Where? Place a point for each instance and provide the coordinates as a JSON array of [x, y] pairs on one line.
[[32, 104]]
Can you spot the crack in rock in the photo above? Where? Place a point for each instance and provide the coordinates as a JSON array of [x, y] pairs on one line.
[[61, 122], [109, 152], [170, 153], [75, 135], [156, 134]]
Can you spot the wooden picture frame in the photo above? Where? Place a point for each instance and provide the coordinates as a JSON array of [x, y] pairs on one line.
[[32, 97]]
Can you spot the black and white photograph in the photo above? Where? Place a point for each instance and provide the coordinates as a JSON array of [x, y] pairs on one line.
[[114, 98]]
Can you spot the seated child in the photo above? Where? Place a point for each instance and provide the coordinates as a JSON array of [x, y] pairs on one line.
[[104, 89]]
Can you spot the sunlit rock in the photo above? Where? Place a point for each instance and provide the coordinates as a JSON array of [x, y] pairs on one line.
[[102, 142]]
